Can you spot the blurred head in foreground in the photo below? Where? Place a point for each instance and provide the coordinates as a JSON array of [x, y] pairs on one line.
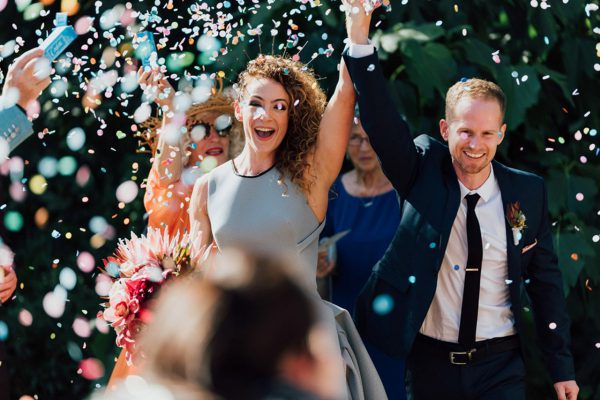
[[247, 329]]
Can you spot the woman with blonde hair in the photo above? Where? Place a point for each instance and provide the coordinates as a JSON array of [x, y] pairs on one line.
[[275, 192], [183, 147]]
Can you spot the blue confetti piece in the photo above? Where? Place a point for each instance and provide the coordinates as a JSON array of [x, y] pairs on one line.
[[456, 267], [527, 281], [112, 269], [383, 304], [432, 245], [3, 331], [412, 279], [463, 79]]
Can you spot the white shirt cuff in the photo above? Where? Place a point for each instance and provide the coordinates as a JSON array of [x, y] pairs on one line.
[[360, 50]]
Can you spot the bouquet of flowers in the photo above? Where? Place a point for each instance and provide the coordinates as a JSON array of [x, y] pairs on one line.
[[139, 267]]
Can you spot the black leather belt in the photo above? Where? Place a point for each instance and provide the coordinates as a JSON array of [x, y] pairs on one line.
[[458, 355]]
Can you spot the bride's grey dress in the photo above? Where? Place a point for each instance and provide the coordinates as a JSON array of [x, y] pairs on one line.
[[265, 211]]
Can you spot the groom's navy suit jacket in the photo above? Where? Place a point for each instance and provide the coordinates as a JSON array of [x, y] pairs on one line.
[[422, 174]]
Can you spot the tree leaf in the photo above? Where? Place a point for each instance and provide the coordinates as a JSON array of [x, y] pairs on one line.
[[521, 94], [430, 67], [572, 252]]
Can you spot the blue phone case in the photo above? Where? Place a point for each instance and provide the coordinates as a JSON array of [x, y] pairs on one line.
[[58, 41], [146, 47]]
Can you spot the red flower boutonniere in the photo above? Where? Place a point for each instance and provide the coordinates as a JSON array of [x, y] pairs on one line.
[[516, 220]]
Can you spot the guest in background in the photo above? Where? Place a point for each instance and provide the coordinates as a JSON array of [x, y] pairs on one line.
[[364, 204], [8, 284], [25, 80], [212, 136], [247, 329]]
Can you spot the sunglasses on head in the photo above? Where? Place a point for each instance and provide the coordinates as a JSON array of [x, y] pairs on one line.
[[222, 126]]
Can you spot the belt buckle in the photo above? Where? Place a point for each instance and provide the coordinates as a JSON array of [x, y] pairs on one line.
[[468, 354]]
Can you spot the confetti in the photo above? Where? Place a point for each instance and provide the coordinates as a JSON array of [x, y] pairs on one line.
[[3, 331], [75, 139], [383, 304], [127, 191], [54, 304], [85, 262], [25, 317], [67, 278], [91, 369]]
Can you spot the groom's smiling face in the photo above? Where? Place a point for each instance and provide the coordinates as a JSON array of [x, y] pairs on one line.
[[473, 132]]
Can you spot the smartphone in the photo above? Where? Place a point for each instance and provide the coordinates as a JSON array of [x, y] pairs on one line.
[[58, 41], [146, 48]]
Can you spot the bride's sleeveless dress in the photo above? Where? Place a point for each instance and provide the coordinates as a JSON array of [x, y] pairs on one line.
[[264, 211]]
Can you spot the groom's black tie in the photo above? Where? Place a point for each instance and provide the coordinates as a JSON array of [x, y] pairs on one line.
[[470, 301]]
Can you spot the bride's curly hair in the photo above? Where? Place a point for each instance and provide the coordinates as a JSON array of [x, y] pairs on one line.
[[307, 104]]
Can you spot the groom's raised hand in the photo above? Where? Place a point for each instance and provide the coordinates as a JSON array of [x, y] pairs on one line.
[[357, 21]]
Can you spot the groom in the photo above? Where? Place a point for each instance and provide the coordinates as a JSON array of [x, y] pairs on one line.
[[473, 234]]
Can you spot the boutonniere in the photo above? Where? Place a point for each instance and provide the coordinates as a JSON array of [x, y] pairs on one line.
[[516, 220]]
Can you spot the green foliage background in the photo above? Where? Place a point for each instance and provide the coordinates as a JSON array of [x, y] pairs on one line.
[[548, 68]]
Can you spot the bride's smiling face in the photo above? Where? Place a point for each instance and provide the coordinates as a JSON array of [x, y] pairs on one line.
[[264, 112]]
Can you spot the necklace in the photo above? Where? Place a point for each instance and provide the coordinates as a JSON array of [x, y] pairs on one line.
[[367, 201], [235, 171]]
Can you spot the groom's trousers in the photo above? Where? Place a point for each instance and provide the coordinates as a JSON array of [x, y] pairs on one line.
[[441, 370]]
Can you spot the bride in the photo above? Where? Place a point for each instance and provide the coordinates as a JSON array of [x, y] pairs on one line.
[[274, 194]]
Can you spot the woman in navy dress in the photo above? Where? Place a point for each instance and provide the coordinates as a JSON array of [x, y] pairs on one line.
[[363, 203]]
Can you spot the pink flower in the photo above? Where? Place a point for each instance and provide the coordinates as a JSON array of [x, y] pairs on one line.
[[121, 309], [145, 263], [128, 268]]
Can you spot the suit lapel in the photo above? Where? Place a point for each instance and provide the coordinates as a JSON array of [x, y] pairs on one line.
[[453, 200], [509, 196]]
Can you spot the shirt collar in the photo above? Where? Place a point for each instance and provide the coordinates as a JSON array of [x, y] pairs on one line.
[[485, 191]]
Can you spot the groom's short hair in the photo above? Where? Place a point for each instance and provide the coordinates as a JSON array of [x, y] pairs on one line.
[[474, 88]]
